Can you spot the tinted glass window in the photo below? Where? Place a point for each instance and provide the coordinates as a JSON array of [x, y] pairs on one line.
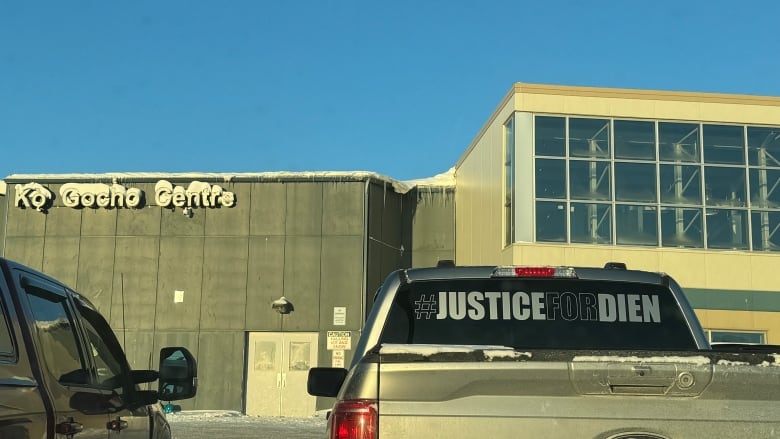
[[105, 351], [550, 135], [538, 314], [57, 336], [6, 343]]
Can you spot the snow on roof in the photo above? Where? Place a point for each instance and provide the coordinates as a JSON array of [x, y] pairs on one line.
[[446, 179]]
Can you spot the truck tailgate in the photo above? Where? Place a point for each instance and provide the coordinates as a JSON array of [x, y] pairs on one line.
[[468, 391]]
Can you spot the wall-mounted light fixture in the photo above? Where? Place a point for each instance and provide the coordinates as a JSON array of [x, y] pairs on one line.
[[282, 306]]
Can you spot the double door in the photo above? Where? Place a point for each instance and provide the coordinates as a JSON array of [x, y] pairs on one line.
[[278, 366]]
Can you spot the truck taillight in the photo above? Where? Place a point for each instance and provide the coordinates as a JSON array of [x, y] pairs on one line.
[[354, 419], [513, 271]]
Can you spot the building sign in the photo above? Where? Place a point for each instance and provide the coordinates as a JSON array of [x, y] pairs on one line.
[[32, 196], [339, 315], [337, 358], [197, 194], [100, 195], [113, 196], [339, 340]]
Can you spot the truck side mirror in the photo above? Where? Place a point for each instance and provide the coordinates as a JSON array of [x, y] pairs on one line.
[[178, 376], [325, 381]]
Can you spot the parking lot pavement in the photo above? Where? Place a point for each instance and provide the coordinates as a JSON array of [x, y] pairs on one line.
[[198, 424]]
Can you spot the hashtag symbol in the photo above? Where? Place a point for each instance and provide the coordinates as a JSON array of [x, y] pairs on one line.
[[425, 306]]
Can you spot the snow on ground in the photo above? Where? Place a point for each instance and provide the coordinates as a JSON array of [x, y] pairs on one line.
[[202, 424]]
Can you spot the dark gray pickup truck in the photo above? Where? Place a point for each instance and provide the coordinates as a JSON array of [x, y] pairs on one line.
[[545, 352], [63, 373]]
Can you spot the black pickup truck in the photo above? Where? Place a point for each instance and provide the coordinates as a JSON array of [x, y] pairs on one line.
[[63, 373]]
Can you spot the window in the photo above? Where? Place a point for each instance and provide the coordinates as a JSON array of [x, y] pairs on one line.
[[550, 136], [56, 333], [680, 184], [7, 352], [591, 223], [634, 140], [681, 227], [550, 221], [635, 182], [724, 144], [727, 229], [550, 178], [589, 180], [729, 336], [589, 138], [636, 224], [657, 183], [105, 352], [538, 314], [678, 142], [509, 181]]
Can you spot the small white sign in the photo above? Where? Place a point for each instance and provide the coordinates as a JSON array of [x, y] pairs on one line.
[[339, 315], [339, 340], [178, 296], [337, 358]]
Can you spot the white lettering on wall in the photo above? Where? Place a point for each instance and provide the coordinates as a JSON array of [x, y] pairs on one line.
[[32, 195], [197, 194], [100, 195]]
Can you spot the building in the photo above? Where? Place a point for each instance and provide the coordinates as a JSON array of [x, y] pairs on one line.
[[684, 183], [198, 260]]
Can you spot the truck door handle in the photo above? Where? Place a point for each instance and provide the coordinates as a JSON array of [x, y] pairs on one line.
[[278, 380], [69, 427], [284, 380]]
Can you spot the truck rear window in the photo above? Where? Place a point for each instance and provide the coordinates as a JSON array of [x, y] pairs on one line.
[[538, 314]]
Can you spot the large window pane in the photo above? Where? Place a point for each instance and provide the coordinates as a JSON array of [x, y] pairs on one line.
[[681, 227], [635, 182], [636, 225], [765, 188], [724, 144], [736, 337], [765, 230], [724, 186], [550, 136], [509, 186], [550, 221], [634, 139], [591, 223], [727, 229], [589, 180], [589, 138], [550, 178], [678, 142], [764, 146], [680, 184]]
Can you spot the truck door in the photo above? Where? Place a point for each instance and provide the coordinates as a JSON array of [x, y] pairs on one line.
[[84, 407]]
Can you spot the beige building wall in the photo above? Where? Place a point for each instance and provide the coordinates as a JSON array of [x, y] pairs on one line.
[[479, 175]]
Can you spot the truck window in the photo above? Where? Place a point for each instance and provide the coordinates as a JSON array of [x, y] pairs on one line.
[[7, 353], [538, 314], [57, 335], [104, 350]]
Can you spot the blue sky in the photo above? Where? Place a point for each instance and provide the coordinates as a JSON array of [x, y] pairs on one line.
[[399, 88]]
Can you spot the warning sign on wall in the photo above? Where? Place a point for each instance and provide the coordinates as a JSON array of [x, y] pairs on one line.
[[337, 358], [339, 340]]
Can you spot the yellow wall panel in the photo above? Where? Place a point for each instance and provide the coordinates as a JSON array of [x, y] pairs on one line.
[[768, 322], [728, 271]]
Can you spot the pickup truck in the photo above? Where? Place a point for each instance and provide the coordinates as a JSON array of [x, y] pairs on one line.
[[545, 352], [63, 373]]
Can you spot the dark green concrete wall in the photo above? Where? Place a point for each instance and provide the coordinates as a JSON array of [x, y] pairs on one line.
[[302, 240], [431, 219]]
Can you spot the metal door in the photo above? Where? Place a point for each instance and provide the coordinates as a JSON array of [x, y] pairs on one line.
[[277, 369]]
